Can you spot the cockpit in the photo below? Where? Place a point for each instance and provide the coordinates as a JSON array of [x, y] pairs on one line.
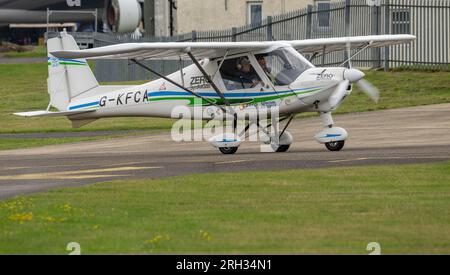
[[281, 66]]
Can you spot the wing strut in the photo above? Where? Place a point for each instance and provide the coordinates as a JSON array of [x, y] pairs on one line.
[[208, 77], [349, 59], [213, 85], [287, 125], [178, 85]]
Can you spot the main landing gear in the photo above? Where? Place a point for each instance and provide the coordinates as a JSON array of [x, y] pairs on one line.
[[274, 141], [279, 141]]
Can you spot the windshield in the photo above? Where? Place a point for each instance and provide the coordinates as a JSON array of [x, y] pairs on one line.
[[283, 66]]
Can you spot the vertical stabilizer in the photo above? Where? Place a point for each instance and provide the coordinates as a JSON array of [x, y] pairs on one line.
[[68, 78]]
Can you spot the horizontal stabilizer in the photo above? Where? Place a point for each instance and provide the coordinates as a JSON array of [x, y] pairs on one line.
[[52, 114]]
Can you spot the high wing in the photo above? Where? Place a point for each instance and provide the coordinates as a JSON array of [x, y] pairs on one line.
[[327, 45], [177, 50], [163, 50]]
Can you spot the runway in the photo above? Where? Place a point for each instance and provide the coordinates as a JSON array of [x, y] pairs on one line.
[[402, 136]]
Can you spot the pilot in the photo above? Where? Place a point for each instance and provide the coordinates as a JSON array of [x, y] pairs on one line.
[[247, 75], [267, 70]]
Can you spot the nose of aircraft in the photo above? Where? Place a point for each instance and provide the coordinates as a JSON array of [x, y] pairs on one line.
[[353, 75]]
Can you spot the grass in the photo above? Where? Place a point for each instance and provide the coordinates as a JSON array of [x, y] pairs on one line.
[[421, 68], [9, 143], [38, 51], [321, 211], [24, 88]]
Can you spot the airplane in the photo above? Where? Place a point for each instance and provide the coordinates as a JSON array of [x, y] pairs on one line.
[[227, 81]]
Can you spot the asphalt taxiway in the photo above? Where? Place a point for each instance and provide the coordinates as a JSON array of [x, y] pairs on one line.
[[401, 136]]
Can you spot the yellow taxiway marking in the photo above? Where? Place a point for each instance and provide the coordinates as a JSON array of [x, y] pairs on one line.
[[231, 162], [79, 174], [67, 165], [106, 170], [13, 168]]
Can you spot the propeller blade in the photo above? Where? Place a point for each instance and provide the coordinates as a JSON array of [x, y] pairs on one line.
[[337, 97], [371, 91]]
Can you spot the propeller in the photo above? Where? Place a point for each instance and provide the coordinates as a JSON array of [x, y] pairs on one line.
[[352, 76], [365, 86]]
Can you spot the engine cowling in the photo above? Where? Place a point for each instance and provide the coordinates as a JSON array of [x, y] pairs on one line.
[[123, 15]]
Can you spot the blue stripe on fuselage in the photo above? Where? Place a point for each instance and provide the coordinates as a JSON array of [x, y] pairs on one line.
[[84, 105]]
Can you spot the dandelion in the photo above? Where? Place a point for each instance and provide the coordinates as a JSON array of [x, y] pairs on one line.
[[50, 219], [157, 239], [21, 217], [67, 207], [18, 204], [204, 235]]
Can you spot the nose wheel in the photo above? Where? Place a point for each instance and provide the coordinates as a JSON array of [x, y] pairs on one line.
[[335, 146]]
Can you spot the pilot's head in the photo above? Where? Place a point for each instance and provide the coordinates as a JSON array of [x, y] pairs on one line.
[[245, 65], [262, 61]]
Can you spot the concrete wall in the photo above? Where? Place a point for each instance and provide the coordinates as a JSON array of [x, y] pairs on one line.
[[157, 17], [204, 15]]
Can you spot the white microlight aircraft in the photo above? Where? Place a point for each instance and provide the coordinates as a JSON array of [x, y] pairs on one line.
[[226, 80]]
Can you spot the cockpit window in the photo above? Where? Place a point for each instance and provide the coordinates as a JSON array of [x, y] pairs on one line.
[[238, 73], [283, 66]]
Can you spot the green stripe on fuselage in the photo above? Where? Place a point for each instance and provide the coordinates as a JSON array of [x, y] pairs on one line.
[[194, 101]]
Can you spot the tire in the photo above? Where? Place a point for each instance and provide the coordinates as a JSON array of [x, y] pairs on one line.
[[228, 150], [283, 148], [335, 146], [280, 148]]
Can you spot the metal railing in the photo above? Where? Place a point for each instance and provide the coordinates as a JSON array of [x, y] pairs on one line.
[[429, 20], [84, 39]]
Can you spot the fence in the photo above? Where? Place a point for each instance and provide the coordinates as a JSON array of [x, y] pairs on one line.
[[429, 20]]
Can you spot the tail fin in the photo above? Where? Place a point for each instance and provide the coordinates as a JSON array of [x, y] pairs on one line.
[[67, 78]]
